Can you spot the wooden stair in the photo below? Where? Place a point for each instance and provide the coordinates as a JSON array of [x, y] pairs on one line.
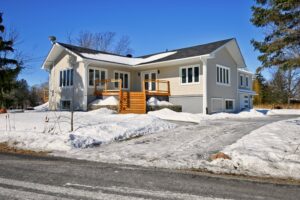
[[132, 102]]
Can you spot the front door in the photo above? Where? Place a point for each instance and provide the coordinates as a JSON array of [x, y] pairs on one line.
[[244, 101], [150, 76]]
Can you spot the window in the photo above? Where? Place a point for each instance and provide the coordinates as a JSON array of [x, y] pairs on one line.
[[60, 78], [229, 104], [124, 76], [65, 104], [241, 80], [96, 74], [66, 78], [223, 75], [190, 74], [247, 81]]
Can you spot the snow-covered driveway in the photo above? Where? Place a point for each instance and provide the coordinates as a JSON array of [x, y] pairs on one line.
[[187, 146]]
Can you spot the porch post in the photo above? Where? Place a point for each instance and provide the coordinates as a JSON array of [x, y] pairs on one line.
[[85, 86], [204, 108]]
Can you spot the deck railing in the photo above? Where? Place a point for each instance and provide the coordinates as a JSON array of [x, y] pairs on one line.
[[114, 87], [108, 87], [156, 87]]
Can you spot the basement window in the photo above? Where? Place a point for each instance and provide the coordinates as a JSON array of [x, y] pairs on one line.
[[65, 104], [229, 104]]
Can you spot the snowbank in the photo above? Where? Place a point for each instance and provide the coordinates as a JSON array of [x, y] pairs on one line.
[[168, 114], [50, 131], [116, 130], [155, 102], [272, 150], [110, 101], [284, 112], [43, 107]]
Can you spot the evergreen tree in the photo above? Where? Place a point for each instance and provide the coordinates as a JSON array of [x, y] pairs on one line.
[[281, 21], [9, 67], [278, 88], [261, 88]]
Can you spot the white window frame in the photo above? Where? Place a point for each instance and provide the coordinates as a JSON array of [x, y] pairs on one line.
[[123, 72], [193, 78], [212, 105], [62, 70], [94, 74], [229, 75], [233, 104]]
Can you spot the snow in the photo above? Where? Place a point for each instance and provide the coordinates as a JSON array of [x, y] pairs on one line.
[[155, 102], [111, 101], [168, 114], [283, 112], [50, 131], [272, 150], [43, 107], [127, 60], [245, 70]]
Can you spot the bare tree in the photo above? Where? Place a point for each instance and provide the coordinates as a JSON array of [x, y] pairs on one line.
[[293, 83], [102, 41], [122, 47]]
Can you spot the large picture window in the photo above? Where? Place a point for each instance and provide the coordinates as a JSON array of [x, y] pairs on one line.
[[223, 75], [190, 74], [66, 78], [97, 74], [124, 76]]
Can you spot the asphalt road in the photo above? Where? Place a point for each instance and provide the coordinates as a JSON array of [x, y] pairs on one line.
[[27, 177]]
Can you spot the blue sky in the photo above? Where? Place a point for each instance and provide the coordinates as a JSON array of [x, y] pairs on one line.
[[152, 25]]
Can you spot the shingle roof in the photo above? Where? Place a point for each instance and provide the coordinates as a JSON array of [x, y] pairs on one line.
[[180, 53], [191, 51], [79, 50]]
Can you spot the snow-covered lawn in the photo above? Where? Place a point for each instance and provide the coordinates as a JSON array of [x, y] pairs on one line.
[[267, 151], [272, 150], [50, 131]]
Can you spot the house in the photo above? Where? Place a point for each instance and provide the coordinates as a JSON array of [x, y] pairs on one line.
[[206, 78]]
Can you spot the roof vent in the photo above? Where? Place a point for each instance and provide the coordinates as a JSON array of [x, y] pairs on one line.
[[52, 39], [129, 55]]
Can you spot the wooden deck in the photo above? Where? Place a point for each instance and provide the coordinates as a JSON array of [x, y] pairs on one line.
[[129, 101]]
